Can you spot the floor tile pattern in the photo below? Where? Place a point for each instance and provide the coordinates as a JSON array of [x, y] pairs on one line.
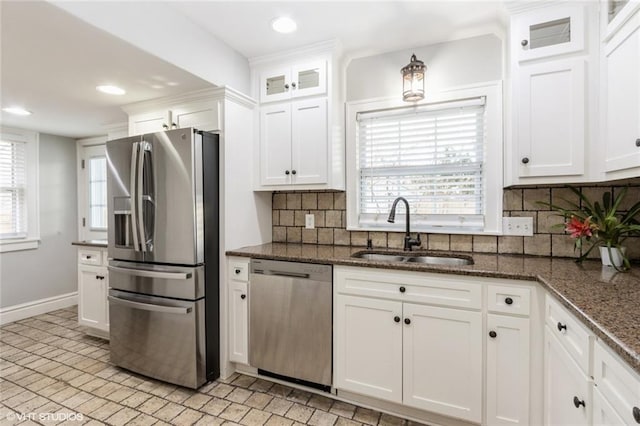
[[49, 365]]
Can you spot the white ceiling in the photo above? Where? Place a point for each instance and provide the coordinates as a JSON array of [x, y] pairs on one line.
[[52, 61], [363, 27]]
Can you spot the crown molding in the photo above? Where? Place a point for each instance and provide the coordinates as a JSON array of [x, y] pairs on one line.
[[328, 46]]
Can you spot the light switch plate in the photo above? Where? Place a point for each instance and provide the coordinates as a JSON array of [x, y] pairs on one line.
[[517, 226], [309, 221]]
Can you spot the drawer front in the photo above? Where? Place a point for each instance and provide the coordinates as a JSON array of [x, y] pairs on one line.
[[617, 383], [238, 270], [570, 332], [416, 287], [509, 300], [90, 257]]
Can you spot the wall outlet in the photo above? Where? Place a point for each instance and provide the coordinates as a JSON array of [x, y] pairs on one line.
[[309, 221], [517, 226]]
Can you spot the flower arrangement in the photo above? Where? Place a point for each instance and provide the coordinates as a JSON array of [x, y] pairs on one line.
[[599, 223]]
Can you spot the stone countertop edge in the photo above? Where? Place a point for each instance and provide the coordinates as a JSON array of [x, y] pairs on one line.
[[90, 243], [295, 252]]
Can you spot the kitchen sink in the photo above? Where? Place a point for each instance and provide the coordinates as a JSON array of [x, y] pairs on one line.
[[429, 259]]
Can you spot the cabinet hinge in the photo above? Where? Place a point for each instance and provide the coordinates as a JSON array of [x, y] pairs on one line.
[[84, 222], [82, 164]]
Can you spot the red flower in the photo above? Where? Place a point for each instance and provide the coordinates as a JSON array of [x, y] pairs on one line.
[[579, 229]]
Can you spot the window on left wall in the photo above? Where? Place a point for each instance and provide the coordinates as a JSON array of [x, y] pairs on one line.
[[19, 221]]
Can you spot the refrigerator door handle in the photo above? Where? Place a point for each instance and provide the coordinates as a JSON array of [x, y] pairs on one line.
[[149, 307], [142, 147], [153, 274], [132, 192]]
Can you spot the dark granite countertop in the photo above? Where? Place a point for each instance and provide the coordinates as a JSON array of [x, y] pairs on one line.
[[607, 302], [90, 243]]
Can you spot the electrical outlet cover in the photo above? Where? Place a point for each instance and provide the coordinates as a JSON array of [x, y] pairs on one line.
[[517, 226], [309, 221]]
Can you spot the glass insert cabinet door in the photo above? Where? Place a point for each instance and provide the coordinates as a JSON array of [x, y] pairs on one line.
[[296, 81], [543, 33]]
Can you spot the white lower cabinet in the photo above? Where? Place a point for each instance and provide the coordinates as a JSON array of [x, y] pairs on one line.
[[567, 390], [603, 413], [238, 279], [508, 370], [93, 288], [368, 339], [442, 360]]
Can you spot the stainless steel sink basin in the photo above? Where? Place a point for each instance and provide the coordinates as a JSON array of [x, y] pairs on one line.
[[429, 259]]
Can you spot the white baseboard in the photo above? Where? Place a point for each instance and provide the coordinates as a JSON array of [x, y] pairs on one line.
[[37, 307]]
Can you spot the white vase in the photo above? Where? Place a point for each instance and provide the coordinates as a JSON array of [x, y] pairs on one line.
[[616, 257]]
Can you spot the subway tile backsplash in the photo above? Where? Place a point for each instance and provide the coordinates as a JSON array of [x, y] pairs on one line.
[[329, 210]]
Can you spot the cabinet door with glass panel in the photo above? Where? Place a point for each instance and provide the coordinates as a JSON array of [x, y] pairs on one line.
[[305, 79], [549, 32], [92, 193]]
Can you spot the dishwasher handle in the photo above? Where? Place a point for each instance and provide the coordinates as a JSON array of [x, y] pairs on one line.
[[283, 274]]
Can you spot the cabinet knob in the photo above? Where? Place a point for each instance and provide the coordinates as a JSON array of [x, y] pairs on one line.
[[636, 414], [396, 318], [493, 334], [638, 142], [524, 42], [293, 172], [287, 172], [525, 160], [243, 296], [174, 125], [165, 126], [508, 301], [88, 257], [561, 326], [293, 84], [100, 277], [238, 270], [407, 321], [286, 86], [578, 402], [402, 289]]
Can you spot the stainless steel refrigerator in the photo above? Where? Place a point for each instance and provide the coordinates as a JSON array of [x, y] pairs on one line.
[[163, 246]]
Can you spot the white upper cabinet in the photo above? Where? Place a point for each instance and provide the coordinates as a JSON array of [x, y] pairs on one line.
[[304, 79], [622, 95], [149, 122], [203, 116], [555, 73], [301, 138]]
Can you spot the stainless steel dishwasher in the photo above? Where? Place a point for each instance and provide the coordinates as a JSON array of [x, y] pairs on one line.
[[290, 321]]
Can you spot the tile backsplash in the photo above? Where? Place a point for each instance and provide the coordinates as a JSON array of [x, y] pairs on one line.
[[329, 209]]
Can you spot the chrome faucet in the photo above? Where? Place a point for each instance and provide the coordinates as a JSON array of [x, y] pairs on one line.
[[408, 241]]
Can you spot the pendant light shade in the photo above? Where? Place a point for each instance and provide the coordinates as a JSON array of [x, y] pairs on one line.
[[413, 80]]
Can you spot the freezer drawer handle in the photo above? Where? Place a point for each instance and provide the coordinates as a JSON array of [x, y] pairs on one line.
[[148, 307], [152, 274]]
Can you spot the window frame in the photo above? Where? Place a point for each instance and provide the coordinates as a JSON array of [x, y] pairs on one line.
[[493, 164], [32, 199], [84, 148]]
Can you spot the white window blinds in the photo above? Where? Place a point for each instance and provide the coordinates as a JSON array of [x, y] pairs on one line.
[[13, 182], [432, 155]]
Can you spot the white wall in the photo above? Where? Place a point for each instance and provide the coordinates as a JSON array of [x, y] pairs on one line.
[[145, 24], [449, 64], [49, 270]]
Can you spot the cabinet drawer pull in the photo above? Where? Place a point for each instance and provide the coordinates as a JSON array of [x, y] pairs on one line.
[[493, 334], [636, 414], [524, 42], [578, 402], [99, 277], [88, 256], [561, 326], [243, 296], [508, 301], [396, 318], [238, 270]]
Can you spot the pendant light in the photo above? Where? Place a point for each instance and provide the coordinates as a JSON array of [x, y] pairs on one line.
[[413, 80]]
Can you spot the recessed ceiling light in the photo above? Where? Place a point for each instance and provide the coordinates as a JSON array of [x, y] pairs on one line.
[[16, 111], [284, 25], [111, 90]]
